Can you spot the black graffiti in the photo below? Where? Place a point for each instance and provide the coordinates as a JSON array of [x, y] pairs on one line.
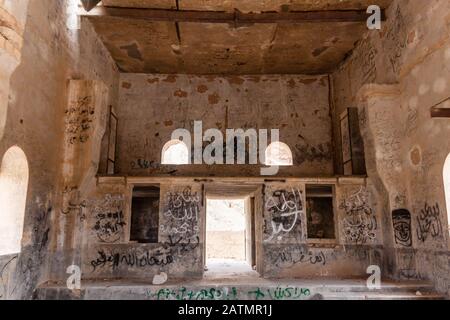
[[183, 247], [401, 221], [79, 119], [75, 207], [309, 153], [161, 256], [429, 223], [291, 256], [359, 223], [109, 226], [132, 259], [143, 164]]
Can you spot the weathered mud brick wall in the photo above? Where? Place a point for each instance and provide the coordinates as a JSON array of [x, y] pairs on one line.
[[394, 77], [108, 252], [153, 106], [289, 253]]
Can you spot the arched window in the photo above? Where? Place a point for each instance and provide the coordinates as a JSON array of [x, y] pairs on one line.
[[446, 174], [278, 154], [175, 152], [13, 194]]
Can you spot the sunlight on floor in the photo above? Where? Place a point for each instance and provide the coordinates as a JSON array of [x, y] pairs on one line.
[[229, 268]]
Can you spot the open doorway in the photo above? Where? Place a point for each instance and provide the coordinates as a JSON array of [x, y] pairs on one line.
[[229, 238]]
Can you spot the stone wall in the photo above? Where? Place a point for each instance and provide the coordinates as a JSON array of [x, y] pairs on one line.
[[282, 247], [394, 77], [289, 253], [397, 218], [153, 106], [110, 254]]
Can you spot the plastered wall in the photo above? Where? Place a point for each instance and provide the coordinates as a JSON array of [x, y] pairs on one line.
[[394, 77], [54, 49], [289, 253], [153, 106], [282, 247], [108, 251]]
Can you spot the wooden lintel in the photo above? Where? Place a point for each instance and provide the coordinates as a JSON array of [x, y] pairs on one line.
[[236, 17], [437, 112], [440, 112]]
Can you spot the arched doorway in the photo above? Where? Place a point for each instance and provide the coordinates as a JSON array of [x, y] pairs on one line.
[[13, 194]]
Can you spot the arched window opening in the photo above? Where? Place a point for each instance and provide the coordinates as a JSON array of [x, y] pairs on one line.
[[13, 194], [278, 154], [446, 175], [175, 152]]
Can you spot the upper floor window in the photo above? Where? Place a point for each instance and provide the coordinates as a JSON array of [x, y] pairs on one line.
[[175, 152], [278, 154], [320, 212], [145, 214]]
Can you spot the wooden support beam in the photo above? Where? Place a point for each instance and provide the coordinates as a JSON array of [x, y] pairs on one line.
[[89, 4], [236, 17], [437, 112], [440, 113]]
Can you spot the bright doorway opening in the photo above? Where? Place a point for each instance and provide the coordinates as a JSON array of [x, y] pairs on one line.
[[13, 195], [229, 240]]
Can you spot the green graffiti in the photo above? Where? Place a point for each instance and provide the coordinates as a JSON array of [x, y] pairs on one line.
[[201, 294], [280, 293], [229, 293]]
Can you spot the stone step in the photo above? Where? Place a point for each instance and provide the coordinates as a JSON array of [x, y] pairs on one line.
[[227, 289], [387, 288], [384, 296]]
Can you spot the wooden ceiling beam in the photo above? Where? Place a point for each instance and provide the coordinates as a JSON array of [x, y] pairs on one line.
[[89, 4], [236, 17], [437, 111], [440, 113]]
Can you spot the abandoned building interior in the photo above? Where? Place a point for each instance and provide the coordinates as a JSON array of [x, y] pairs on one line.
[[93, 182]]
